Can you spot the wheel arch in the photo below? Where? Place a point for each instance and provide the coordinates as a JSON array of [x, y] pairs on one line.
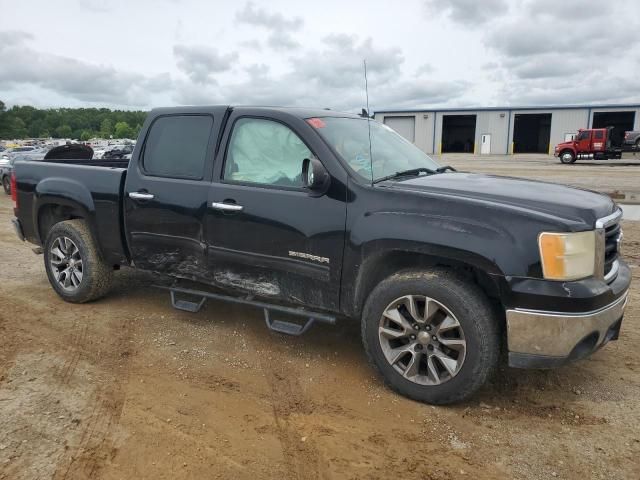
[[59, 199], [380, 266]]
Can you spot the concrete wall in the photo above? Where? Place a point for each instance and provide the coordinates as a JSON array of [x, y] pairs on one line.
[[496, 124]]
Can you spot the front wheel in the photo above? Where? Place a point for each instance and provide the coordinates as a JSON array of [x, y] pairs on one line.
[[6, 184], [431, 334], [567, 157], [75, 269]]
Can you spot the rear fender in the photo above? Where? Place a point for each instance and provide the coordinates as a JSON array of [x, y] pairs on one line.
[[65, 192]]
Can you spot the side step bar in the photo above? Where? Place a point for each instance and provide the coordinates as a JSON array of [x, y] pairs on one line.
[[280, 326]]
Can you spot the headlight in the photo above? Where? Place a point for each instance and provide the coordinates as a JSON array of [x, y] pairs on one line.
[[567, 256]]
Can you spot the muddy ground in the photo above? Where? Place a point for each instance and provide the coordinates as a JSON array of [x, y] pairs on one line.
[[127, 387]]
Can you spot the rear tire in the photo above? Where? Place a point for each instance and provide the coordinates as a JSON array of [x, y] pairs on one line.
[[567, 157], [74, 267], [6, 184], [471, 330]]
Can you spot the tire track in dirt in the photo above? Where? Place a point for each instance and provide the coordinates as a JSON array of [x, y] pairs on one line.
[[74, 350], [97, 444], [302, 458]]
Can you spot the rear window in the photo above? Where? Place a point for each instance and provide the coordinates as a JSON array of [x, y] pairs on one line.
[[177, 146]]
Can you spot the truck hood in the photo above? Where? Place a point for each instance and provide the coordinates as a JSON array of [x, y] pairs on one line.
[[550, 199], [564, 144]]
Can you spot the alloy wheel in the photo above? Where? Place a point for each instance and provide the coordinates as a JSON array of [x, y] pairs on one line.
[[66, 263], [422, 340]]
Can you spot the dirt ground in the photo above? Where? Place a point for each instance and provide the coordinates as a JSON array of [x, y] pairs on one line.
[[127, 387]]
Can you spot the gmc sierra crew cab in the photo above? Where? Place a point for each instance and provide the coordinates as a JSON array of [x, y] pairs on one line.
[[321, 215]]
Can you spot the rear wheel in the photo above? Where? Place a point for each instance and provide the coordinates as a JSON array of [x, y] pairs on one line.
[[75, 269], [567, 157], [431, 334], [6, 184]]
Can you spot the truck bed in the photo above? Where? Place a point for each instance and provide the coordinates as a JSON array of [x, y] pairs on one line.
[[110, 163], [95, 185]]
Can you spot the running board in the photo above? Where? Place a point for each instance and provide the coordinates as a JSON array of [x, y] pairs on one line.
[[275, 325]]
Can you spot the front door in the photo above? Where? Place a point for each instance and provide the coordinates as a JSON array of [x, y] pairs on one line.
[[583, 141], [485, 147], [266, 235], [166, 196]]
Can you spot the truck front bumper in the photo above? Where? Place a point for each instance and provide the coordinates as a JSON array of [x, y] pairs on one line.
[[540, 338]]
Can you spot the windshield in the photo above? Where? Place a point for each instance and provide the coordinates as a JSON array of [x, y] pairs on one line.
[[391, 153]]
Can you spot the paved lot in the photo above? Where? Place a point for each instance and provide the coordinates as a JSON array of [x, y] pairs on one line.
[[126, 387], [615, 177]]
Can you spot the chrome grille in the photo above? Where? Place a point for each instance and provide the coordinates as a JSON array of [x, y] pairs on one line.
[[611, 234]]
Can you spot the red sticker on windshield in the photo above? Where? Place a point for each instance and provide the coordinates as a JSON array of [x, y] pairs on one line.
[[316, 122]]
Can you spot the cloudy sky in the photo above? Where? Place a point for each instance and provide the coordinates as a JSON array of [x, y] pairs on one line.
[[138, 54]]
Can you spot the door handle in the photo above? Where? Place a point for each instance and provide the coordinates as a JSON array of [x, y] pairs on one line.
[[141, 196], [227, 207]]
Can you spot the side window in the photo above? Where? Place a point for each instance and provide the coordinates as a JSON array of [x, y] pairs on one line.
[[177, 146], [598, 135], [265, 152], [583, 136]]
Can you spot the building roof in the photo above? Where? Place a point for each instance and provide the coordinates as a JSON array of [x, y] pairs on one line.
[[506, 109]]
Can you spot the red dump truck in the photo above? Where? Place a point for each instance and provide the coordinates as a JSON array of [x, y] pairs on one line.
[[588, 144]]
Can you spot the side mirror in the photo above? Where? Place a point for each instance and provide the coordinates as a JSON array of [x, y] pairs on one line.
[[314, 176]]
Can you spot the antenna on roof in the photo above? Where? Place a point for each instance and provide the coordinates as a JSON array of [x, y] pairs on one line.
[[366, 112]]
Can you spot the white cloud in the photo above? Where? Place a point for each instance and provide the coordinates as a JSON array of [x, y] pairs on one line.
[[420, 53]]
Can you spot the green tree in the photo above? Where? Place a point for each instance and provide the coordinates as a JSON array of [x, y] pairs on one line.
[[123, 130], [17, 128], [106, 128], [64, 131], [85, 135]]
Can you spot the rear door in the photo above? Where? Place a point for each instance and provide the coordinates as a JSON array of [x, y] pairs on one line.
[[266, 235], [166, 193]]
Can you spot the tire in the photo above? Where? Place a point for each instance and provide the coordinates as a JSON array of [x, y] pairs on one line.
[[462, 301], [567, 156], [90, 276], [637, 145], [6, 184]]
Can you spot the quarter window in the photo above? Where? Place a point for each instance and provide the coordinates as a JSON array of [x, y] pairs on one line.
[[265, 152], [177, 146], [598, 135]]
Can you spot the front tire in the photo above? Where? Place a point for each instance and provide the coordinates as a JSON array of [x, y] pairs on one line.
[[567, 157], [6, 184], [431, 334], [74, 267]]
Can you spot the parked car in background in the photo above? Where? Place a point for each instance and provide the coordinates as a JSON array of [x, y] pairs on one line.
[[631, 140], [118, 152], [6, 166], [10, 151], [99, 152]]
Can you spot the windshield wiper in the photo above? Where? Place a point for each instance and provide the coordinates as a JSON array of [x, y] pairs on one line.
[[445, 168], [405, 173]]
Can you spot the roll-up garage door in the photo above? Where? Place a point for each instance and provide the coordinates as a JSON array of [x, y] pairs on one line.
[[405, 126]]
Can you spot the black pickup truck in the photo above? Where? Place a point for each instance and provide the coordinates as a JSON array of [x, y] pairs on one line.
[[324, 215]]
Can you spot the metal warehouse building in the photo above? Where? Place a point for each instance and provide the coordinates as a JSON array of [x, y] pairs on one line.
[[506, 130]]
